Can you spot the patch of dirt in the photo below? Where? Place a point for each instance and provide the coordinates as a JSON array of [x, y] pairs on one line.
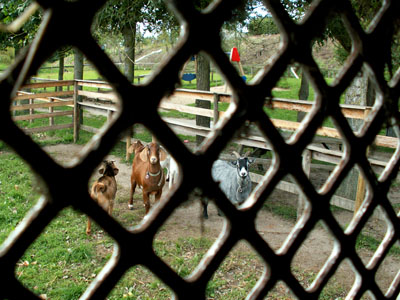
[[186, 221]]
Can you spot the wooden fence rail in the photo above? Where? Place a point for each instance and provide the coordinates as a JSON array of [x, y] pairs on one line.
[[76, 88]]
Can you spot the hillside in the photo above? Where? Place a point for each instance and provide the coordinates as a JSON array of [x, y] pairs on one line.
[[255, 51]]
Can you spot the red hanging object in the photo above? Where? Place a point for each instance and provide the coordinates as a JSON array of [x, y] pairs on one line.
[[235, 54]]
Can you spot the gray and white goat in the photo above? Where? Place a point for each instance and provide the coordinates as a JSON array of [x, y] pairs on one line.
[[234, 179], [172, 170]]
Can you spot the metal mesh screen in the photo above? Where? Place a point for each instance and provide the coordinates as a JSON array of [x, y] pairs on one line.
[[202, 33]]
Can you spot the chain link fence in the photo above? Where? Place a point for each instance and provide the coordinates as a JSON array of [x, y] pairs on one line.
[[202, 33]]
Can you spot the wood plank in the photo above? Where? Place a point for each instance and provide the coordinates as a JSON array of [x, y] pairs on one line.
[[41, 116], [89, 129], [187, 109], [103, 96], [101, 107], [40, 105], [45, 99], [326, 158], [380, 140], [187, 129], [349, 111], [293, 126], [47, 128], [47, 84], [95, 84], [42, 95], [387, 141]]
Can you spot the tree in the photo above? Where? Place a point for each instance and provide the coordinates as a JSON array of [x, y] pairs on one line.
[[238, 18], [365, 10], [10, 11], [125, 16], [262, 25]]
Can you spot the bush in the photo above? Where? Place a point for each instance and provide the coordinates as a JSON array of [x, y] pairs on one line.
[[6, 57]]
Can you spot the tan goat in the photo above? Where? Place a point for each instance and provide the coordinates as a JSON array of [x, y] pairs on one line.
[[147, 173], [104, 189]]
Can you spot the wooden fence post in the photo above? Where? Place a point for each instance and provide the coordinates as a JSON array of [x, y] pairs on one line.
[[77, 113], [51, 110], [109, 115], [31, 110], [360, 196], [216, 112], [307, 156], [361, 186]]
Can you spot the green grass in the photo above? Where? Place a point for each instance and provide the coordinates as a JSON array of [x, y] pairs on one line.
[[368, 242], [15, 190], [56, 264], [63, 261], [286, 212]]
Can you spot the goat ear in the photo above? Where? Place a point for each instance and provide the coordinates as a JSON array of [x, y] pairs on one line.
[[144, 155], [251, 160], [101, 171], [163, 154], [233, 163], [116, 170]]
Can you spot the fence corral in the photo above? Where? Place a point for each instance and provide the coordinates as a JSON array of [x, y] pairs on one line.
[[104, 100], [42, 100]]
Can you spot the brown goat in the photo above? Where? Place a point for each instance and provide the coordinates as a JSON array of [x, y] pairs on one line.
[[147, 173], [136, 147], [104, 189]]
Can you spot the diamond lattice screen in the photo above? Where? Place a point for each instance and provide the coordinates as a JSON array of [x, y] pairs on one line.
[[202, 33]]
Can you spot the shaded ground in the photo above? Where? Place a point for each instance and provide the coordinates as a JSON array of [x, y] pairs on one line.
[[186, 221]]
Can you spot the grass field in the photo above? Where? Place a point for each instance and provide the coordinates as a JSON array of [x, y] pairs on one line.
[[63, 261]]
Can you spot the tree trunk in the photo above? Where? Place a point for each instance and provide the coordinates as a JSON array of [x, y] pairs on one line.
[[203, 84], [203, 72], [200, 120], [78, 65], [359, 93], [129, 34], [303, 95]]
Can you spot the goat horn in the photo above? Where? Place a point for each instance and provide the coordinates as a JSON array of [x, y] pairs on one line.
[[247, 154], [236, 154]]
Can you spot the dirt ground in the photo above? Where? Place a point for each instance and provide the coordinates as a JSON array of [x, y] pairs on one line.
[[186, 221]]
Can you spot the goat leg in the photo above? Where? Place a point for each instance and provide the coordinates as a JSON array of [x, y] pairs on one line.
[[133, 187], [204, 202], [88, 227], [157, 196], [146, 201], [110, 207]]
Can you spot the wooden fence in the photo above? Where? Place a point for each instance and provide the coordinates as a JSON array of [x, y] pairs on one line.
[[101, 92], [29, 103]]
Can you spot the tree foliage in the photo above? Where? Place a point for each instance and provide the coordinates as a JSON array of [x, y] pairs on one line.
[[262, 25], [11, 10], [365, 11]]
